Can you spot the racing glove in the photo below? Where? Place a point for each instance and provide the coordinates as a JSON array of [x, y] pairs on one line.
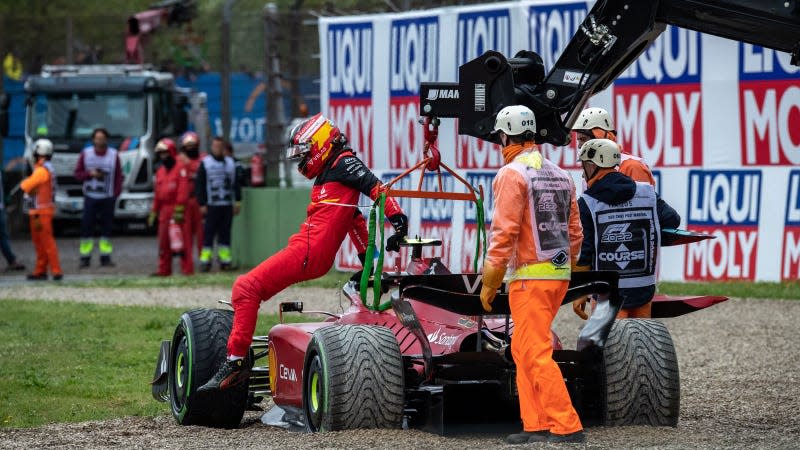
[[177, 215], [151, 219], [400, 224], [492, 280]]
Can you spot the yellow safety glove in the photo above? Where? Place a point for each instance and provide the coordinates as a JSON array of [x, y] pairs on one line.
[[151, 219], [492, 279], [579, 305]]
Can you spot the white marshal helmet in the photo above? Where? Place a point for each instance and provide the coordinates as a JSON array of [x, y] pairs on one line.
[[515, 120], [43, 147], [591, 118], [603, 152]]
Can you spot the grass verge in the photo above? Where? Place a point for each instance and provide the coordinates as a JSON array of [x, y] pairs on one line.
[[734, 289], [330, 280], [71, 362]]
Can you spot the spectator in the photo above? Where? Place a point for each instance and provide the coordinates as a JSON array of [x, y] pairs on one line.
[[100, 171], [240, 178], [5, 247], [219, 197], [40, 189]]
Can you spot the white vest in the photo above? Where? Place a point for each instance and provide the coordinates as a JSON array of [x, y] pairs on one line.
[[627, 237], [220, 176], [107, 165]]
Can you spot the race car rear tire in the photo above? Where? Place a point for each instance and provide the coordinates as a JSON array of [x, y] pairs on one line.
[[641, 373], [199, 346], [353, 378]]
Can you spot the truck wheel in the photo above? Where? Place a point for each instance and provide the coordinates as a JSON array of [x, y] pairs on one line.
[[199, 346], [641, 370], [353, 378]]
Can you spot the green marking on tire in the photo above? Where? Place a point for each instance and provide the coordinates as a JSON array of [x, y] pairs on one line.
[[315, 392]]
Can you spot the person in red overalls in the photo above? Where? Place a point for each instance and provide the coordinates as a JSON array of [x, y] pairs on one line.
[[189, 215], [340, 178], [165, 203]]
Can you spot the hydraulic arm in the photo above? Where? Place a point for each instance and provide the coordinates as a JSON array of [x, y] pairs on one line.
[[613, 35]]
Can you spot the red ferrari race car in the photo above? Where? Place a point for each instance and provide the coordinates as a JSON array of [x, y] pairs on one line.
[[430, 359]]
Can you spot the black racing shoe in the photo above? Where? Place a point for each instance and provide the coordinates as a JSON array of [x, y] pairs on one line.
[[572, 438], [527, 437], [230, 374]]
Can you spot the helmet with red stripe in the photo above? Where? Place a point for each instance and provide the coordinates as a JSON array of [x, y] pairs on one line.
[[311, 142]]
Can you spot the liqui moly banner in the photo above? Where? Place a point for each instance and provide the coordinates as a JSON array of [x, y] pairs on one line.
[[718, 122]]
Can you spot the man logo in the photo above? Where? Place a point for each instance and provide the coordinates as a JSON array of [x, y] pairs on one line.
[[617, 232], [435, 94]]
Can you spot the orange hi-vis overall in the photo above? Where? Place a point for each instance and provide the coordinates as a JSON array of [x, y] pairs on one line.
[[40, 193], [630, 165], [536, 234]]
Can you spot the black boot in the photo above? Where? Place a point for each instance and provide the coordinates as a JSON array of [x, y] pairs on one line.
[[85, 262], [572, 438], [527, 436], [231, 373], [105, 261]]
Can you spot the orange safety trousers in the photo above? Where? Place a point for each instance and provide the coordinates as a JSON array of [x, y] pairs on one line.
[[544, 402], [45, 244]]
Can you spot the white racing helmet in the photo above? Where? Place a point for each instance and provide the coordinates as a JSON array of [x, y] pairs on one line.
[[602, 152], [515, 120], [591, 118], [43, 147]]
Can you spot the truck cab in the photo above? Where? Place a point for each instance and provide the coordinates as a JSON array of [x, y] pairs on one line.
[[135, 103]]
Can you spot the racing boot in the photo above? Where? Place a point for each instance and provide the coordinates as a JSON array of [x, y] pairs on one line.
[[230, 374], [527, 436]]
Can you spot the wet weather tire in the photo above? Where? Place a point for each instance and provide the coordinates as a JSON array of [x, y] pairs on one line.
[[641, 372], [353, 378], [199, 346]]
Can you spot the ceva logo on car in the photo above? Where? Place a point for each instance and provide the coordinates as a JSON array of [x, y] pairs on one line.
[[479, 32], [657, 102], [790, 267], [414, 59], [349, 76], [725, 204], [769, 96]]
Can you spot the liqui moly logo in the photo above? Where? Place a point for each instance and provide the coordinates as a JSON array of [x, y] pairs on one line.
[[657, 102], [790, 261], [414, 59], [725, 204], [769, 99], [350, 84], [479, 32], [551, 28]]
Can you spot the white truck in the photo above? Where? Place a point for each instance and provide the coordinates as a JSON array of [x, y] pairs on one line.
[[136, 104]]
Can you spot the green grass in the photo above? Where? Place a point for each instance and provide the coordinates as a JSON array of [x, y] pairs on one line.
[[330, 280], [69, 362], [737, 289]]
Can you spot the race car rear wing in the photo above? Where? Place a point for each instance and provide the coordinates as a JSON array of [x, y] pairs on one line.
[[613, 35]]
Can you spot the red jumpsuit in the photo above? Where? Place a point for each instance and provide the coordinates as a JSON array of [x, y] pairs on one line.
[[166, 198], [311, 251], [192, 219]]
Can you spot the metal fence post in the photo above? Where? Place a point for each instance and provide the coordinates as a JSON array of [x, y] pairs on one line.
[[275, 123]]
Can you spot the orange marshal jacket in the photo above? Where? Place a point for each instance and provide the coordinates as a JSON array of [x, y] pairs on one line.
[[40, 189], [536, 228]]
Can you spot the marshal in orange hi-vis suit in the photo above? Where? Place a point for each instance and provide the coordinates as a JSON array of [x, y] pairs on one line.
[[536, 237], [39, 189]]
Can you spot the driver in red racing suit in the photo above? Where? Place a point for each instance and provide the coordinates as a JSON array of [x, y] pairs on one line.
[[340, 178]]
